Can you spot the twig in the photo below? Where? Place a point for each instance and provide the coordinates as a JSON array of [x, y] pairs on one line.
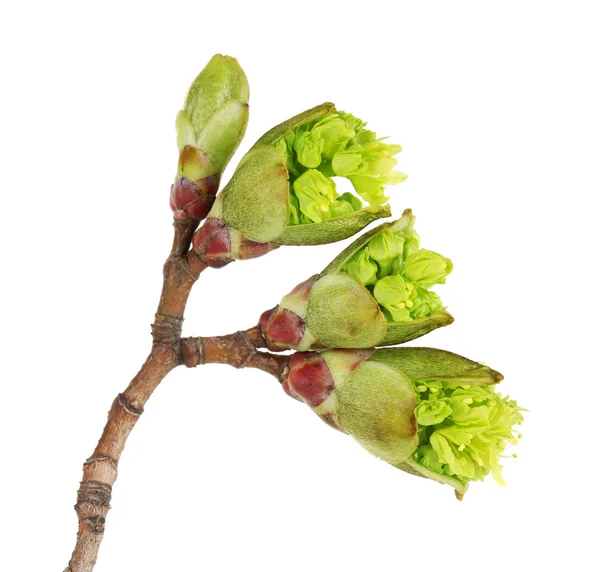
[[168, 351], [237, 350], [100, 470]]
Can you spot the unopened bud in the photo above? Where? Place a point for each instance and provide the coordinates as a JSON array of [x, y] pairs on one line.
[[209, 130]]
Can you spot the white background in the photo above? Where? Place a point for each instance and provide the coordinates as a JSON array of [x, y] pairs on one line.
[[496, 106]]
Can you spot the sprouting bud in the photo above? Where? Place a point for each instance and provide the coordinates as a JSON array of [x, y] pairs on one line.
[[283, 191], [414, 408], [374, 293], [210, 127]]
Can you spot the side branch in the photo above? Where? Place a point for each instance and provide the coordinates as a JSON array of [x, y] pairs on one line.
[[237, 350]]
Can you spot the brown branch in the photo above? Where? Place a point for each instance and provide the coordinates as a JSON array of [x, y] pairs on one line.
[[168, 351], [237, 350], [184, 231], [100, 470]]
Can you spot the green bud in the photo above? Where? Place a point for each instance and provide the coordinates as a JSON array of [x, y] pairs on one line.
[[215, 113], [382, 250], [395, 295], [302, 155], [219, 83], [363, 298], [209, 129], [315, 192], [426, 268], [363, 268], [428, 412]]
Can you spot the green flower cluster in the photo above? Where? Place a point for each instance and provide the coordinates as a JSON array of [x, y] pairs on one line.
[[399, 274], [336, 145], [463, 429]]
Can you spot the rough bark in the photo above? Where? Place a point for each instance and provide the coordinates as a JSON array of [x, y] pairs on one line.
[[100, 470], [237, 350]]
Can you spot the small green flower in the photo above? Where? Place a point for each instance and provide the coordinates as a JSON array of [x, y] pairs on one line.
[[428, 412], [433, 412], [396, 295], [314, 193], [374, 293], [426, 268], [337, 145]]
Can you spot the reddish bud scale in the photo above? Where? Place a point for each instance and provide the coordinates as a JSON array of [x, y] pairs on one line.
[[284, 329], [309, 379], [194, 199], [359, 357], [302, 291], [281, 329], [263, 322], [250, 249], [212, 242]]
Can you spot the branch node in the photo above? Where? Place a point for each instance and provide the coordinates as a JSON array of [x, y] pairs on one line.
[[96, 458], [95, 524], [192, 350], [248, 349], [166, 329], [126, 404], [95, 493]]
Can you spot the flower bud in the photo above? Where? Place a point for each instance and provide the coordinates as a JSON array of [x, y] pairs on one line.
[[428, 412], [209, 129], [374, 293], [283, 191]]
